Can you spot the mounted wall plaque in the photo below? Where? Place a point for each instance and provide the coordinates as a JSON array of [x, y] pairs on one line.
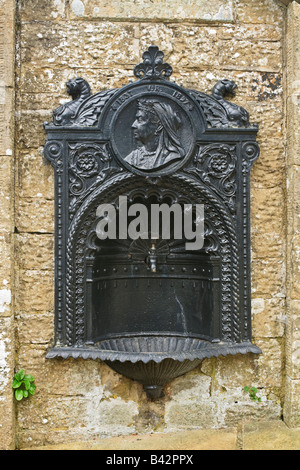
[[149, 306]]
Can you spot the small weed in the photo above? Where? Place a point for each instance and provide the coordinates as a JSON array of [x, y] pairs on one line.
[[23, 385], [252, 393]]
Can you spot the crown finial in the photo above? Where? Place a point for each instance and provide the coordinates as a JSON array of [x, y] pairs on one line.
[[153, 65]]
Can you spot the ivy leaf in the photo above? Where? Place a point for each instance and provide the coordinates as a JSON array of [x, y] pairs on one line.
[[246, 389], [31, 389], [28, 377], [20, 375], [19, 394], [27, 384], [16, 384]]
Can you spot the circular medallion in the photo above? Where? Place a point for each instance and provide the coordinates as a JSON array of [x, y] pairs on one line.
[[152, 134]]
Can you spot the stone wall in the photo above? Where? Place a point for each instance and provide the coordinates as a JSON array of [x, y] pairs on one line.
[[243, 40], [292, 399], [7, 348]]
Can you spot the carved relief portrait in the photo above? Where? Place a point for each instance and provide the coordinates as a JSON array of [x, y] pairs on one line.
[[155, 130], [156, 133]]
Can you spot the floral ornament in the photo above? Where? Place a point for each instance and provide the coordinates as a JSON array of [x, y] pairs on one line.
[[219, 163], [153, 65], [86, 163]]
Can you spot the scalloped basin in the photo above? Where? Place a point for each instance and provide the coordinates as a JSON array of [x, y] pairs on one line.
[[153, 360]]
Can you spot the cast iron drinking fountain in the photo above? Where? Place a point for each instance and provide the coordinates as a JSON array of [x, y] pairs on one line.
[[152, 307]]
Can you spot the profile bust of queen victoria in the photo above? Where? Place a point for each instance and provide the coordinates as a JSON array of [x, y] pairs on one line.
[[155, 129]]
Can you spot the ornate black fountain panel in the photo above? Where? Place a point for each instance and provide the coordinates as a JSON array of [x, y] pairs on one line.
[[151, 304]]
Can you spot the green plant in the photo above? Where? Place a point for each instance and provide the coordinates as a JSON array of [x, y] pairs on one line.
[[23, 384], [252, 393]]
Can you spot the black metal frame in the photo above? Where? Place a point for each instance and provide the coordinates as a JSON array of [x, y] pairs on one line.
[[87, 153]]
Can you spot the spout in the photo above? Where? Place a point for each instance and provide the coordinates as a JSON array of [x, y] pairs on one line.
[[151, 259], [154, 391]]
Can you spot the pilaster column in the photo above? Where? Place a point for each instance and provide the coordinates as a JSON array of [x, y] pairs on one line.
[[292, 391]]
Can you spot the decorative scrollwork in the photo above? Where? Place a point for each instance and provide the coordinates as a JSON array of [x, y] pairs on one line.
[[89, 164], [53, 151], [250, 152], [215, 164]]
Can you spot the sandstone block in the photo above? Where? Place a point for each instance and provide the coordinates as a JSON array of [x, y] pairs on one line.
[[251, 31], [5, 191], [36, 176], [35, 215], [263, 12], [293, 119], [268, 277], [292, 403], [94, 45], [31, 130], [268, 317], [7, 420], [34, 251], [5, 256], [230, 373], [293, 182], [52, 9], [216, 10], [293, 340], [98, 418], [184, 46], [35, 328], [194, 413], [267, 223], [270, 364], [185, 387], [247, 55], [34, 291], [270, 435]]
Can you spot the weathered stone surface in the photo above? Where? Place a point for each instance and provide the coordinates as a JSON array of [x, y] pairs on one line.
[[34, 291], [52, 9], [216, 10], [256, 31], [34, 251], [268, 317], [85, 399], [35, 215], [270, 436], [7, 411], [35, 328], [265, 11], [56, 417], [30, 128], [106, 44], [293, 339], [7, 343], [245, 55], [258, 435], [5, 256], [268, 277], [270, 364], [36, 177], [269, 237], [291, 403], [5, 194]]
